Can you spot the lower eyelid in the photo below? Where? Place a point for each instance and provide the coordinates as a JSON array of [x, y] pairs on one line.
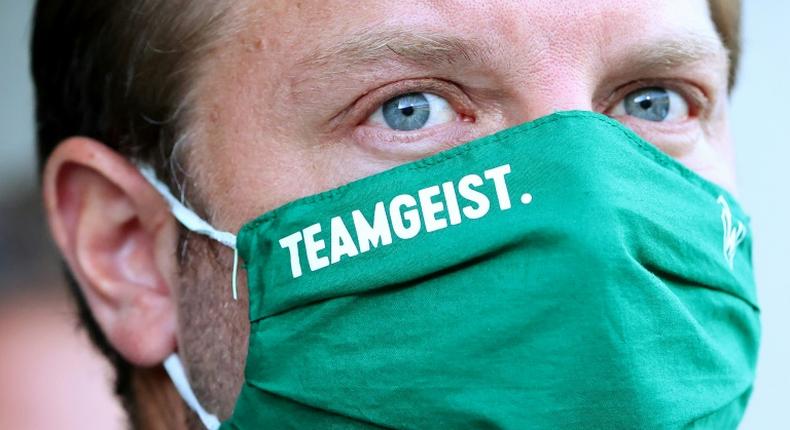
[[414, 145], [673, 138]]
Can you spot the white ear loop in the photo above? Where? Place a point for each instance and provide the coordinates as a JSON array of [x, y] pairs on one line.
[[193, 222], [175, 369]]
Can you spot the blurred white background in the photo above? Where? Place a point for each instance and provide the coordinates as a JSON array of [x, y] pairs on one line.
[[760, 126], [16, 98], [763, 142]]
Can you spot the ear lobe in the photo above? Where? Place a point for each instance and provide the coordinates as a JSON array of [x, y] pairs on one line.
[[119, 241]]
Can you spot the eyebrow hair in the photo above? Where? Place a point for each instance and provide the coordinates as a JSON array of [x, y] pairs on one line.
[[370, 46], [677, 51]]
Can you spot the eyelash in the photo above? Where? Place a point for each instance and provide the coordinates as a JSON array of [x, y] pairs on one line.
[[363, 107], [696, 98], [370, 102]]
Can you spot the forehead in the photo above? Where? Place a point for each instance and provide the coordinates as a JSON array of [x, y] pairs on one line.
[[292, 52], [297, 26]]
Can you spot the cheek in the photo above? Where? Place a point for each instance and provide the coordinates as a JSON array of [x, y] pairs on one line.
[[717, 132], [213, 328], [713, 157]]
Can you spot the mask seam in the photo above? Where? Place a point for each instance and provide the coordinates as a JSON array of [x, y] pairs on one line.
[[648, 149], [671, 164], [430, 161], [259, 386]]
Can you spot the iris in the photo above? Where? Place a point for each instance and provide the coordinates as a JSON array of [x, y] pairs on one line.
[[651, 104], [407, 112]]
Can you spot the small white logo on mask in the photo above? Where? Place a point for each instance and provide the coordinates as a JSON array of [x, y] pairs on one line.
[[733, 234]]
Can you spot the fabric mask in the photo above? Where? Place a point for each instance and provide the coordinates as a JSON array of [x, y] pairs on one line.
[[563, 273]]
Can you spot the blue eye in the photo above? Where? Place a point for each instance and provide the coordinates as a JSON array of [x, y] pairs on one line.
[[653, 104], [407, 112], [413, 111]]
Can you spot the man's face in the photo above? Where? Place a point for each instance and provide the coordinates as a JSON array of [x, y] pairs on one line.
[[296, 103]]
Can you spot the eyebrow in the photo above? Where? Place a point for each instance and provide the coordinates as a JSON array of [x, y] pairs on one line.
[[676, 51], [368, 47]]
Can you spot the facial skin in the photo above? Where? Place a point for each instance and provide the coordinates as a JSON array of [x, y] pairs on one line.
[[288, 108]]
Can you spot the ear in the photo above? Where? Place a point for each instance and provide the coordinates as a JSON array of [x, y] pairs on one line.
[[119, 240]]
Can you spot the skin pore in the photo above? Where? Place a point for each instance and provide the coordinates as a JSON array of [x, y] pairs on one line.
[[290, 106]]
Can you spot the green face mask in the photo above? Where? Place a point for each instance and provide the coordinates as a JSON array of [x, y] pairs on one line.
[[560, 274]]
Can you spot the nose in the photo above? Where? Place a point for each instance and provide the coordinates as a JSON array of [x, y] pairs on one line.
[[558, 84]]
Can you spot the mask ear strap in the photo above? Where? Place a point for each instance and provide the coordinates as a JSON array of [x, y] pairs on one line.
[[192, 221], [176, 372], [235, 273]]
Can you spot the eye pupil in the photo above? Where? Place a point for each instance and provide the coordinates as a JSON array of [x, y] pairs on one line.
[[407, 112], [645, 104]]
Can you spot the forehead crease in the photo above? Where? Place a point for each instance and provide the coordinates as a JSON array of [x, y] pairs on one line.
[[324, 58]]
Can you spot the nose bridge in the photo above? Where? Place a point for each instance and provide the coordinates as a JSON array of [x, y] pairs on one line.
[[554, 64], [563, 92], [555, 79]]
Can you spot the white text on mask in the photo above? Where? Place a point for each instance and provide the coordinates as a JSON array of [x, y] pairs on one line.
[[434, 208]]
